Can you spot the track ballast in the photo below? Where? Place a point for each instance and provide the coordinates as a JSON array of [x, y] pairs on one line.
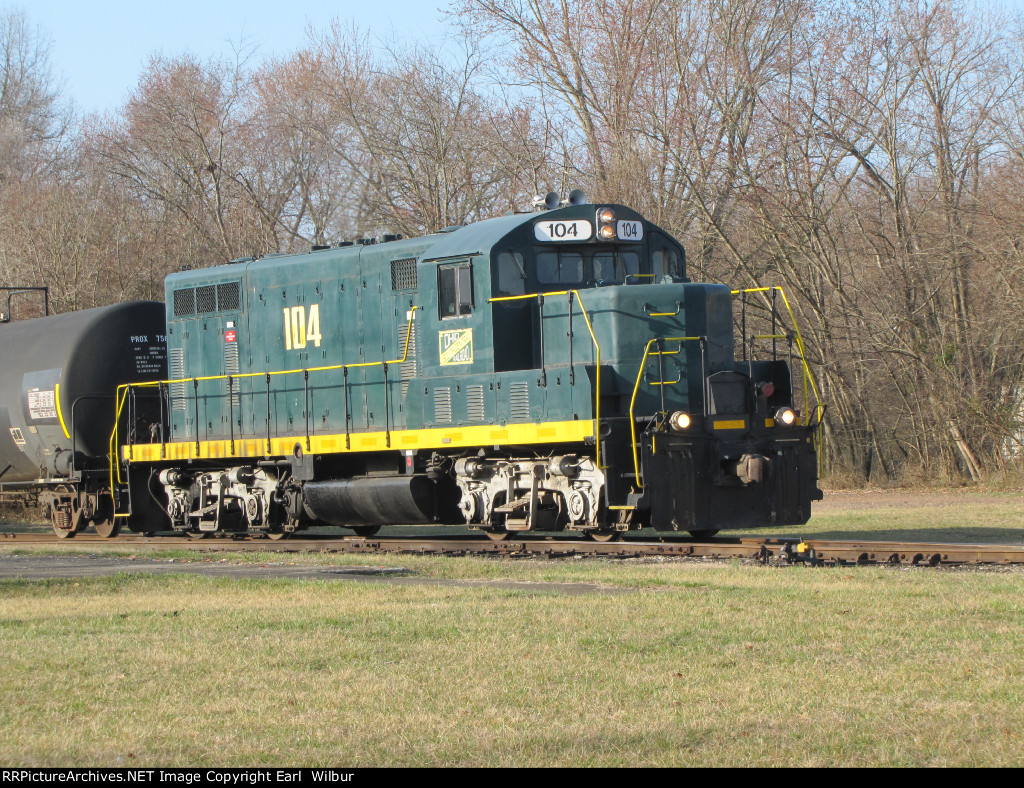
[[773, 550]]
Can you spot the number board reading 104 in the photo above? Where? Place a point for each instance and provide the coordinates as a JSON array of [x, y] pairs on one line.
[[629, 230], [577, 230]]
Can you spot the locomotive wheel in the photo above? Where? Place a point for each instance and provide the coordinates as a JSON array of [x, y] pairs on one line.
[[103, 521], [497, 536], [615, 517], [277, 536], [704, 534], [108, 529], [604, 536], [365, 530], [197, 534]]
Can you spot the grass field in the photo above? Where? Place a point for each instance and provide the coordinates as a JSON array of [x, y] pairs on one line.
[[659, 663]]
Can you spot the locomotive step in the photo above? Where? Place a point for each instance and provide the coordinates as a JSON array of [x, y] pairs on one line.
[[512, 506]]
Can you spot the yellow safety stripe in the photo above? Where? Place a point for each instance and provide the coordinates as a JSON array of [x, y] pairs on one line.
[[60, 413], [340, 443]]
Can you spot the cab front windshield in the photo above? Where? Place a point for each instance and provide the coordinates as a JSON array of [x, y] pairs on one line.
[[560, 269]]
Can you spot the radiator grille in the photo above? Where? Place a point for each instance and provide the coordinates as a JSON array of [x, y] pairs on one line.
[[206, 299], [231, 368], [519, 400], [185, 302], [228, 297], [177, 370], [475, 403], [442, 405], [403, 274], [410, 367]]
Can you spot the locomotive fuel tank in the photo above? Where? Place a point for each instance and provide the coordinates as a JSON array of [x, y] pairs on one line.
[[58, 379], [379, 501]]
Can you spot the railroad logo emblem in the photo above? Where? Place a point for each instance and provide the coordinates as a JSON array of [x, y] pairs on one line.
[[456, 347]]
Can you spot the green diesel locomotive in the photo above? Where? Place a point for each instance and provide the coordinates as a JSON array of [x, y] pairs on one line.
[[542, 371]]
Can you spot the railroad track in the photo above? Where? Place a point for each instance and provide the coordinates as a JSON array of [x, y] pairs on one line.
[[824, 552]]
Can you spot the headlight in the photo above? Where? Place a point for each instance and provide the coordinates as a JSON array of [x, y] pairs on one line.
[[679, 421], [606, 215], [607, 232], [785, 416]]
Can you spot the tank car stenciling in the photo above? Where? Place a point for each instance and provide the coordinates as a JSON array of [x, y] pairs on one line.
[[532, 372], [57, 390]]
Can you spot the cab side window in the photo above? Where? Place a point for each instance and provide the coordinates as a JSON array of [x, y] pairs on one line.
[[666, 262], [455, 290], [511, 275]]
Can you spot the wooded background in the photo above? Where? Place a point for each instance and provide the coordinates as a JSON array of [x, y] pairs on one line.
[[867, 155]]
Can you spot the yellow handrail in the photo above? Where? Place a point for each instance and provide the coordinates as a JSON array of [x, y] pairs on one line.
[[115, 460], [808, 376], [120, 397], [636, 389], [597, 359]]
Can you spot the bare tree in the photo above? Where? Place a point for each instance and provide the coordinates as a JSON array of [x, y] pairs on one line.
[[178, 142], [429, 148], [33, 116]]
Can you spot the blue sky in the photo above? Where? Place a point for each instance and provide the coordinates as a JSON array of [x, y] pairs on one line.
[[99, 47]]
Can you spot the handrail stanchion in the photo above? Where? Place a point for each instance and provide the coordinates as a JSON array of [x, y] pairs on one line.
[[163, 419], [348, 420], [774, 322], [572, 368], [305, 394], [704, 373], [543, 372], [387, 408], [269, 444], [743, 324], [231, 415], [195, 391], [661, 371]]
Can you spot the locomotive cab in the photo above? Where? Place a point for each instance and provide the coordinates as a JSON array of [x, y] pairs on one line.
[[587, 316]]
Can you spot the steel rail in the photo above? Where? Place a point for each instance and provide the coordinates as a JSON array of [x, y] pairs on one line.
[[812, 552]]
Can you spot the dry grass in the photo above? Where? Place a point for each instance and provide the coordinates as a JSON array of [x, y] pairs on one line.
[[698, 663], [923, 517], [701, 664]]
